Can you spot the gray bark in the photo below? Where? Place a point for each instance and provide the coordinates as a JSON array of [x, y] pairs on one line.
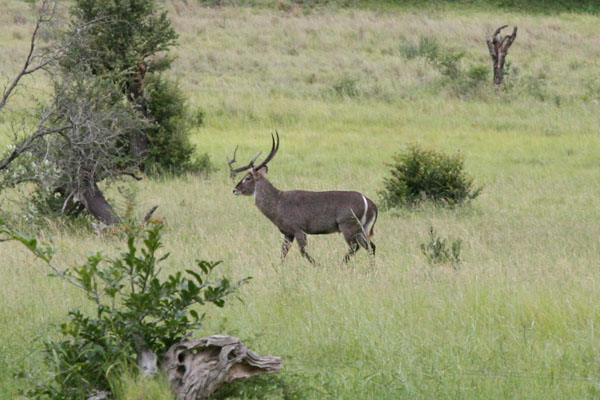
[[498, 47], [94, 201], [198, 368]]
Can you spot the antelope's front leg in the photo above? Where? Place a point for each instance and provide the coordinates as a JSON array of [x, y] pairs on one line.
[[301, 238], [287, 243]]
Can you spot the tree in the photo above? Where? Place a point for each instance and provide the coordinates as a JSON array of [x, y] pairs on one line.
[[89, 151], [111, 110], [77, 142], [38, 59], [131, 51]]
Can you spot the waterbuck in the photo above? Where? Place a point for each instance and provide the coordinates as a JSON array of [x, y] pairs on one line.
[[298, 212]]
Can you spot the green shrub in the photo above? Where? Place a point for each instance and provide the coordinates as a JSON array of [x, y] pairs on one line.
[[478, 73], [436, 250], [169, 144], [346, 87], [419, 174], [468, 83], [124, 52], [134, 305], [198, 117], [448, 63]]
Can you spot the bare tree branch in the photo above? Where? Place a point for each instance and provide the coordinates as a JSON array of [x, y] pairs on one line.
[[45, 14], [27, 143]]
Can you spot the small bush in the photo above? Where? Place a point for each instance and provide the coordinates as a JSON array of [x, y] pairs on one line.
[[346, 87], [478, 73], [436, 250], [198, 117], [202, 165], [169, 145], [419, 174], [448, 62], [135, 304]]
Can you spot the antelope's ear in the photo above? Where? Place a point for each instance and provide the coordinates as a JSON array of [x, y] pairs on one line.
[[263, 171]]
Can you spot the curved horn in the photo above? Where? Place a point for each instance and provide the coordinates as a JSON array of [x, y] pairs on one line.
[[274, 149], [234, 171]]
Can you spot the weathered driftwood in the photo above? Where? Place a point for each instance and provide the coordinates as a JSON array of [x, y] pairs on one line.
[[198, 368], [498, 47]]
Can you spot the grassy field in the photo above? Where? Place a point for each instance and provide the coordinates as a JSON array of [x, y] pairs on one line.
[[518, 319]]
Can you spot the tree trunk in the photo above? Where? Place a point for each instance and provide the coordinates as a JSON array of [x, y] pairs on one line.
[[138, 142], [138, 145], [94, 201], [198, 368], [498, 47]]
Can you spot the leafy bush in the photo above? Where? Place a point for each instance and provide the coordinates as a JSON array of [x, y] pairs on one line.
[[436, 250], [198, 117], [419, 174], [134, 306], [346, 87], [130, 50], [478, 73], [448, 63], [168, 138], [468, 83]]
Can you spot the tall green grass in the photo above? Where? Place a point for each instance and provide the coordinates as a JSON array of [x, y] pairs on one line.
[[518, 319]]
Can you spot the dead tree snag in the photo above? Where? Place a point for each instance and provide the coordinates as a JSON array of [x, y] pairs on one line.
[[198, 368], [498, 47]]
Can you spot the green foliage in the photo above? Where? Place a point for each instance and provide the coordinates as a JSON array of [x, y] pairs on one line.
[[346, 87], [134, 305], [479, 73], [168, 137], [129, 33], [418, 174], [131, 386], [124, 47], [44, 252], [436, 250], [448, 63], [198, 117]]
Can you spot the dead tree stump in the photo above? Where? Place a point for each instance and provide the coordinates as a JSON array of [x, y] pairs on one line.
[[197, 368], [498, 47]]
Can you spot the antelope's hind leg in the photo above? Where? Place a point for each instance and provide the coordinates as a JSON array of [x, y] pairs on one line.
[[287, 243], [301, 238], [366, 244], [354, 237], [353, 249], [373, 247]]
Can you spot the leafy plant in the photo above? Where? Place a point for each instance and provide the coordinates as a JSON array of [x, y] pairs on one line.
[[419, 174], [448, 63], [134, 307], [346, 87], [168, 138], [437, 251], [129, 48]]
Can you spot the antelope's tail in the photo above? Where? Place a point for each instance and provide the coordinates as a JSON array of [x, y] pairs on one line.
[[369, 226]]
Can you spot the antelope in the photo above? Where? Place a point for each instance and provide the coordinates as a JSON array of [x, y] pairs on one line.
[[298, 213]]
